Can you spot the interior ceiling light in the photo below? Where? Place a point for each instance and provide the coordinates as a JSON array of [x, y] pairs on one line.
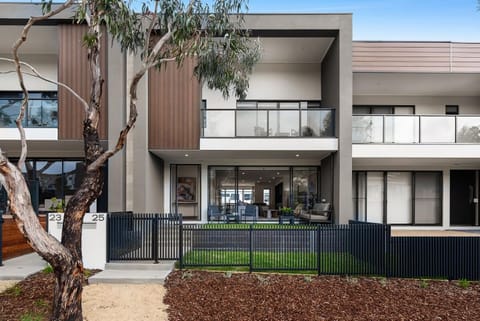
[[243, 173], [278, 173], [297, 155], [186, 155]]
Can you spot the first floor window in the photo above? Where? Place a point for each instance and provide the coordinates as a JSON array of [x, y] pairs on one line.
[[42, 110]]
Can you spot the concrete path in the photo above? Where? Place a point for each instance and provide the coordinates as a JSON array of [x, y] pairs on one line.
[[20, 267], [431, 233]]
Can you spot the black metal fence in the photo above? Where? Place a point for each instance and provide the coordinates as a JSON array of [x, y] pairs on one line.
[[325, 249], [354, 249], [134, 237]]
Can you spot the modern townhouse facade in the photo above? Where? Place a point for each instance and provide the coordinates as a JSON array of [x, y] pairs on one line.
[[382, 131]]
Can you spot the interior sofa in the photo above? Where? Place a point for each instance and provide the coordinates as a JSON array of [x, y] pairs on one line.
[[320, 213]]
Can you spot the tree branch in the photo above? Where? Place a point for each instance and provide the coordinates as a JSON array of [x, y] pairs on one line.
[[21, 208], [150, 62], [20, 41], [36, 74]]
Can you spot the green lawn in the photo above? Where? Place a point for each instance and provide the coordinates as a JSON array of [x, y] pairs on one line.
[[256, 226], [330, 263]]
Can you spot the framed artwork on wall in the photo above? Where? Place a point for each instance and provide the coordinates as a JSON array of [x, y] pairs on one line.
[[186, 189]]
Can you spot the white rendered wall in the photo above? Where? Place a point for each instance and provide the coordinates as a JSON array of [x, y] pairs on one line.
[[274, 82], [45, 64], [424, 105], [94, 237]]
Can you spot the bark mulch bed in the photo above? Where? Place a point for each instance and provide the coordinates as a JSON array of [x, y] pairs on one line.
[[30, 299], [213, 296]]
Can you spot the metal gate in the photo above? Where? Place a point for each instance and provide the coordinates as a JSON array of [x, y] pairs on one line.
[[143, 237]]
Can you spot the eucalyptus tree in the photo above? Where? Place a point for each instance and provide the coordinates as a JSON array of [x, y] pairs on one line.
[[164, 31]]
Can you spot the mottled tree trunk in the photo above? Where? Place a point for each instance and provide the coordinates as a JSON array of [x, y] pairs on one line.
[[69, 279], [67, 298]]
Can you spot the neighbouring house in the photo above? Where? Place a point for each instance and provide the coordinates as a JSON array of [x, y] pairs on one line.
[[393, 126]]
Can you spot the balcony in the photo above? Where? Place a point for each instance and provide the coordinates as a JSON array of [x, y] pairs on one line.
[[265, 123], [415, 129]]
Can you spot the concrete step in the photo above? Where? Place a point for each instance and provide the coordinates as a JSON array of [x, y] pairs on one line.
[[129, 277], [140, 266], [134, 272]]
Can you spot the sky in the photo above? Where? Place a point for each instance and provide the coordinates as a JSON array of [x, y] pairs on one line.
[[415, 20]]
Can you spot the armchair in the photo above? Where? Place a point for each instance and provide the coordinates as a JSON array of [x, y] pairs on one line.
[[214, 212]]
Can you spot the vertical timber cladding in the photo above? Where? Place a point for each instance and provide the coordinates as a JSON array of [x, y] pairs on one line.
[[174, 107], [74, 71]]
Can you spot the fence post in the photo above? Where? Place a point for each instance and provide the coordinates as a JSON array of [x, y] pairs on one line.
[[1, 237], [388, 244], [318, 249], [180, 241], [155, 238], [250, 247], [107, 236]]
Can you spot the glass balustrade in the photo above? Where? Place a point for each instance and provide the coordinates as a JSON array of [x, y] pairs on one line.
[[265, 122], [414, 129], [468, 129]]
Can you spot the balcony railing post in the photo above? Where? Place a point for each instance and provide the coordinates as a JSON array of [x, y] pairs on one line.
[[456, 120]]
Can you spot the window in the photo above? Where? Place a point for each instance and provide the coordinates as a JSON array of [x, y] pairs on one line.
[[42, 110], [383, 110], [398, 197], [52, 183], [451, 110]]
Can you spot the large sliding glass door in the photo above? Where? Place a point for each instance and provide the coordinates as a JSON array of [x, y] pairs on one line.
[[267, 187], [398, 197]]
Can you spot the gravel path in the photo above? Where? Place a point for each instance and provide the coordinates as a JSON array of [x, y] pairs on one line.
[[124, 302]]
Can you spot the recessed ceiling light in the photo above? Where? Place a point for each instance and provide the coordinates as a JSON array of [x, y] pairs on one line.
[[278, 173], [297, 155], [273, 177], [243, 173], [186, 155]]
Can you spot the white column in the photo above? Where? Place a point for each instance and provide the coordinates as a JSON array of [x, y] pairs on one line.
[[204, 197], [446, 198]]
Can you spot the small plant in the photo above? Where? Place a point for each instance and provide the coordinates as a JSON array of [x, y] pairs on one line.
[[262, 279], [307, 278], [228, 274], [352, 280], [15, 290], [187, 275], [463, 283], [58, 205], [41, 303], [423, 283], [48, 269], [31, 317], [383, 281], [286, 210], [87, 273]]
